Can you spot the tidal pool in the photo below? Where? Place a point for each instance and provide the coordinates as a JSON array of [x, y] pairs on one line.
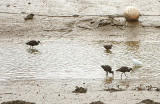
[[67, 58]]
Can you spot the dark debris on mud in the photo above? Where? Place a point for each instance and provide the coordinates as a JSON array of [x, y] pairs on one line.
[[80, 90], [146, 88], [18, 102], [97, 102], [148, 101], [113, 89]]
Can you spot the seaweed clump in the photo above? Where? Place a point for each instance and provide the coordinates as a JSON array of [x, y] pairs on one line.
[[18, 102], [148, 101], [97, 102], [80, 90], [113, 89]]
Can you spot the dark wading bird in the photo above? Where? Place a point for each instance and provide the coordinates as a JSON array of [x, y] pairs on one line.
[[124, 69], [29, 17], [108, 47], [107, 68], [33, 43]]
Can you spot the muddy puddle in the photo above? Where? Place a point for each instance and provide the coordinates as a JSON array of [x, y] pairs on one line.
[[67, 58]]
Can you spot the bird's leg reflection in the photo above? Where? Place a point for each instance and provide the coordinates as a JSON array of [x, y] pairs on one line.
[[121, 75], [109, 79], [108, 51], [125, 74], [106, 74], [31, 50], [136, 67]]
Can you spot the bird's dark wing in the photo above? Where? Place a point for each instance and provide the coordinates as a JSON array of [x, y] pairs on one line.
[[106, 68], [123, 69], [32, 42]]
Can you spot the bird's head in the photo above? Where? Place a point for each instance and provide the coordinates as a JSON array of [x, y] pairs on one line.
[[102, 66], [117, 70], [130, 69], [112, 72], [39, 42]]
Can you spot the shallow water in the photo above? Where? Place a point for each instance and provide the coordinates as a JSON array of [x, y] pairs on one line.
[[67, 58]]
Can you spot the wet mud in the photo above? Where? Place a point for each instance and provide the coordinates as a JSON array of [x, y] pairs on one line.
[[17, 102], [73, 34]]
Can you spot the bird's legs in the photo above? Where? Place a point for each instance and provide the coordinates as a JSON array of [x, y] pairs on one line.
[[121, 75], [31, 47], [106, 73], [125, 74]]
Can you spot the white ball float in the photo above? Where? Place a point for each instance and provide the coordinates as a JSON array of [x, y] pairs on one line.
[[131, 14]]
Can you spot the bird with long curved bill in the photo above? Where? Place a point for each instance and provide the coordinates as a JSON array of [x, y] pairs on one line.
[[33, 43], [124, 69], [107, 69], [108, 47]]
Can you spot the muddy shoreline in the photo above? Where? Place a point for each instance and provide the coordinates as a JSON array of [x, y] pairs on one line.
[[72, 33], [60, 91]]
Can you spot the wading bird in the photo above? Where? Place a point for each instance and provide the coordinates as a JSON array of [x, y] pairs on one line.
[[108, 47], [124, 69], [33, 43], [136, 62], [107, 68]]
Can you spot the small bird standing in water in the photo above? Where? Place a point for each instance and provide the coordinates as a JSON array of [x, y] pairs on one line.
[[108, 47], [124, 69], [33, 43], [29, 17], [107, 68], [137, 62]]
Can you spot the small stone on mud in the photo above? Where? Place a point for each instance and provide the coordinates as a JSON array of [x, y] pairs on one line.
[[17, 102], [29, 17], [75, 15], [97, 102], [80, 90], [104, 22], [7, 5], [157, 89]]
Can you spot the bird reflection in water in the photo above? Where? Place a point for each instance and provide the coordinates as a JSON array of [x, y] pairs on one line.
[[33, 51], [136, 67], [108, 51], [108, 47], [109, 80]]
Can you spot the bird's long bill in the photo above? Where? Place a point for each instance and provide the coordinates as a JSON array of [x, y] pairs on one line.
[[133, 71], [113, 74]]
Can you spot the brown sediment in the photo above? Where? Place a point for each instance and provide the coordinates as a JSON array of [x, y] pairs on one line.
[[80, 90], [17, 102], [148, 101], [114, 90], [97, 102]]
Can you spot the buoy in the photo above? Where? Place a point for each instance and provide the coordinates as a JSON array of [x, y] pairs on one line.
[[131, 14]]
